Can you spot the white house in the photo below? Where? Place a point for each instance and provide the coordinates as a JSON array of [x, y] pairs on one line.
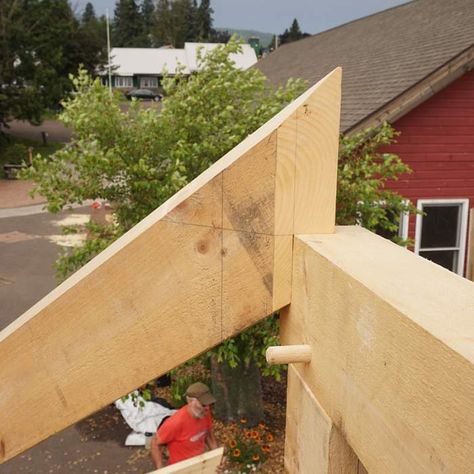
[[144, 67]]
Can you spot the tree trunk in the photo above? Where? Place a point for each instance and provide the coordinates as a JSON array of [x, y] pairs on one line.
[[238, 392]]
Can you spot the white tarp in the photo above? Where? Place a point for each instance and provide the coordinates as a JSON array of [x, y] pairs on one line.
[[142, 419]]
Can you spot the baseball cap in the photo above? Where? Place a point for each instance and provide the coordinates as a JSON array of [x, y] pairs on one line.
[[201, 392]]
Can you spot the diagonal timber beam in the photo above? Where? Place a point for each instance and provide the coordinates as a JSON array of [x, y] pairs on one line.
[[211, 261]]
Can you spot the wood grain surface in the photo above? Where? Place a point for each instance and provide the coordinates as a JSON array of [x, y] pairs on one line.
[[211, 261]]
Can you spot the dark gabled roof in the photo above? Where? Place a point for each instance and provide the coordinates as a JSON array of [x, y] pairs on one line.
[[383, 56]]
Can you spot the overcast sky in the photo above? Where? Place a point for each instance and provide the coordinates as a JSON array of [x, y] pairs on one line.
[[273, 16]]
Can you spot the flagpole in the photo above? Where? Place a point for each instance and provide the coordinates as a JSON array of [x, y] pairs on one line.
[[108, 49]]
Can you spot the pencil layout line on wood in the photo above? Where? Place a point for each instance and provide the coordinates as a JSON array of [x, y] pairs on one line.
[[211, 261]]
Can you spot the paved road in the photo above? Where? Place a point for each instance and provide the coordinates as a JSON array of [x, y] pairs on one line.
[[30, 241], [56, 131], [29, 244]]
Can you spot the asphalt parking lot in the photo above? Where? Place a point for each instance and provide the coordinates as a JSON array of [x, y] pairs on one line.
[[29, 244]]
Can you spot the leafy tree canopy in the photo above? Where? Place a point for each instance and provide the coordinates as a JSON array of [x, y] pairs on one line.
[[138, 158], [89, 14], [292, 34], [93, 34], [178, 21], [128, 29], [41, 42], [147, 11]]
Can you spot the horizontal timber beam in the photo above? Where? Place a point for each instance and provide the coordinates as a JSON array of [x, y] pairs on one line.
[[211, 261], [206, 463], [393, 355]]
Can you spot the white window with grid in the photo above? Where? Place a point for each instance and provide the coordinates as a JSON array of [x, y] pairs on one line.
[[147, 82], [123, 81], [441, 232]]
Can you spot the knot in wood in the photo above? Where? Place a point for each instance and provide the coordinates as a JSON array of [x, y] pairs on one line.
[[202, 246]]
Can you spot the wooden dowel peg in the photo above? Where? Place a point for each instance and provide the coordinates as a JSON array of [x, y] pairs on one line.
[[289, 354]]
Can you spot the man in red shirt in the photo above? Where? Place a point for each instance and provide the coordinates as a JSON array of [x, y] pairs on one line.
[[187, 431]]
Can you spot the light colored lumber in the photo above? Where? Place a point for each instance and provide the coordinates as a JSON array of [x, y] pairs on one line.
[[361, 469], [206, 463], [341, 457], [211, 261], [470, 248], [289, 354], [317, 143], [312, 443], [393, 355], [282, 267], [308, 429]]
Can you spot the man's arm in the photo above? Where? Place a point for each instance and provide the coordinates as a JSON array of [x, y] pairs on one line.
[[211, 440], [155, 450]]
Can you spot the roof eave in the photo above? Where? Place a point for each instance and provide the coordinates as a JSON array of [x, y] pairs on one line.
[[418, 93]]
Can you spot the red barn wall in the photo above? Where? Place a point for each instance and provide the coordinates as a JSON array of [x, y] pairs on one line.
[[437, 142]]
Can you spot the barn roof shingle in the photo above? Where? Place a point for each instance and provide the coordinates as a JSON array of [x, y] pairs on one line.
[[382, 56]]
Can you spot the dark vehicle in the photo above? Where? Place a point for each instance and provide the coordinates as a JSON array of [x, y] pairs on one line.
[[143, 94]]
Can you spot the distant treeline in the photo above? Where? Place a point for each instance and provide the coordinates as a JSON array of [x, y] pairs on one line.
[[162, 23], [42, 42]]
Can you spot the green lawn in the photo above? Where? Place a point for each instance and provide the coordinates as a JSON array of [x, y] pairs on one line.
[[50, 115], [15, 150]]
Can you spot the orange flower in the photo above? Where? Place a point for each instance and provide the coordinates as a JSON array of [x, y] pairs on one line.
[[254, 434], [236, 453], [243, 420], [258, 439], [266, 448], [269, 437], [261, 425], [248, 434], [233, 443], [255, 457]]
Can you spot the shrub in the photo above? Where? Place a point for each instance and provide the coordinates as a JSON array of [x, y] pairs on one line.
[[15, 154]]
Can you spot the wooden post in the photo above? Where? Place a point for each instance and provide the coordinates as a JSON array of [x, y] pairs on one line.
[[393, 357], [289, 354], [211, 261]]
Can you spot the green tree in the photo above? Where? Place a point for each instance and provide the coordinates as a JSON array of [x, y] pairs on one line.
[[363, 172], [93, 39], [15, 100], [292, 34], [204, 21], [128, 26], [219, 36], [175, 23], [88, 15], [40, 44], [178, 21], [138, 158], [193, 27], [163, 24], [183, 18], [147, 12]]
